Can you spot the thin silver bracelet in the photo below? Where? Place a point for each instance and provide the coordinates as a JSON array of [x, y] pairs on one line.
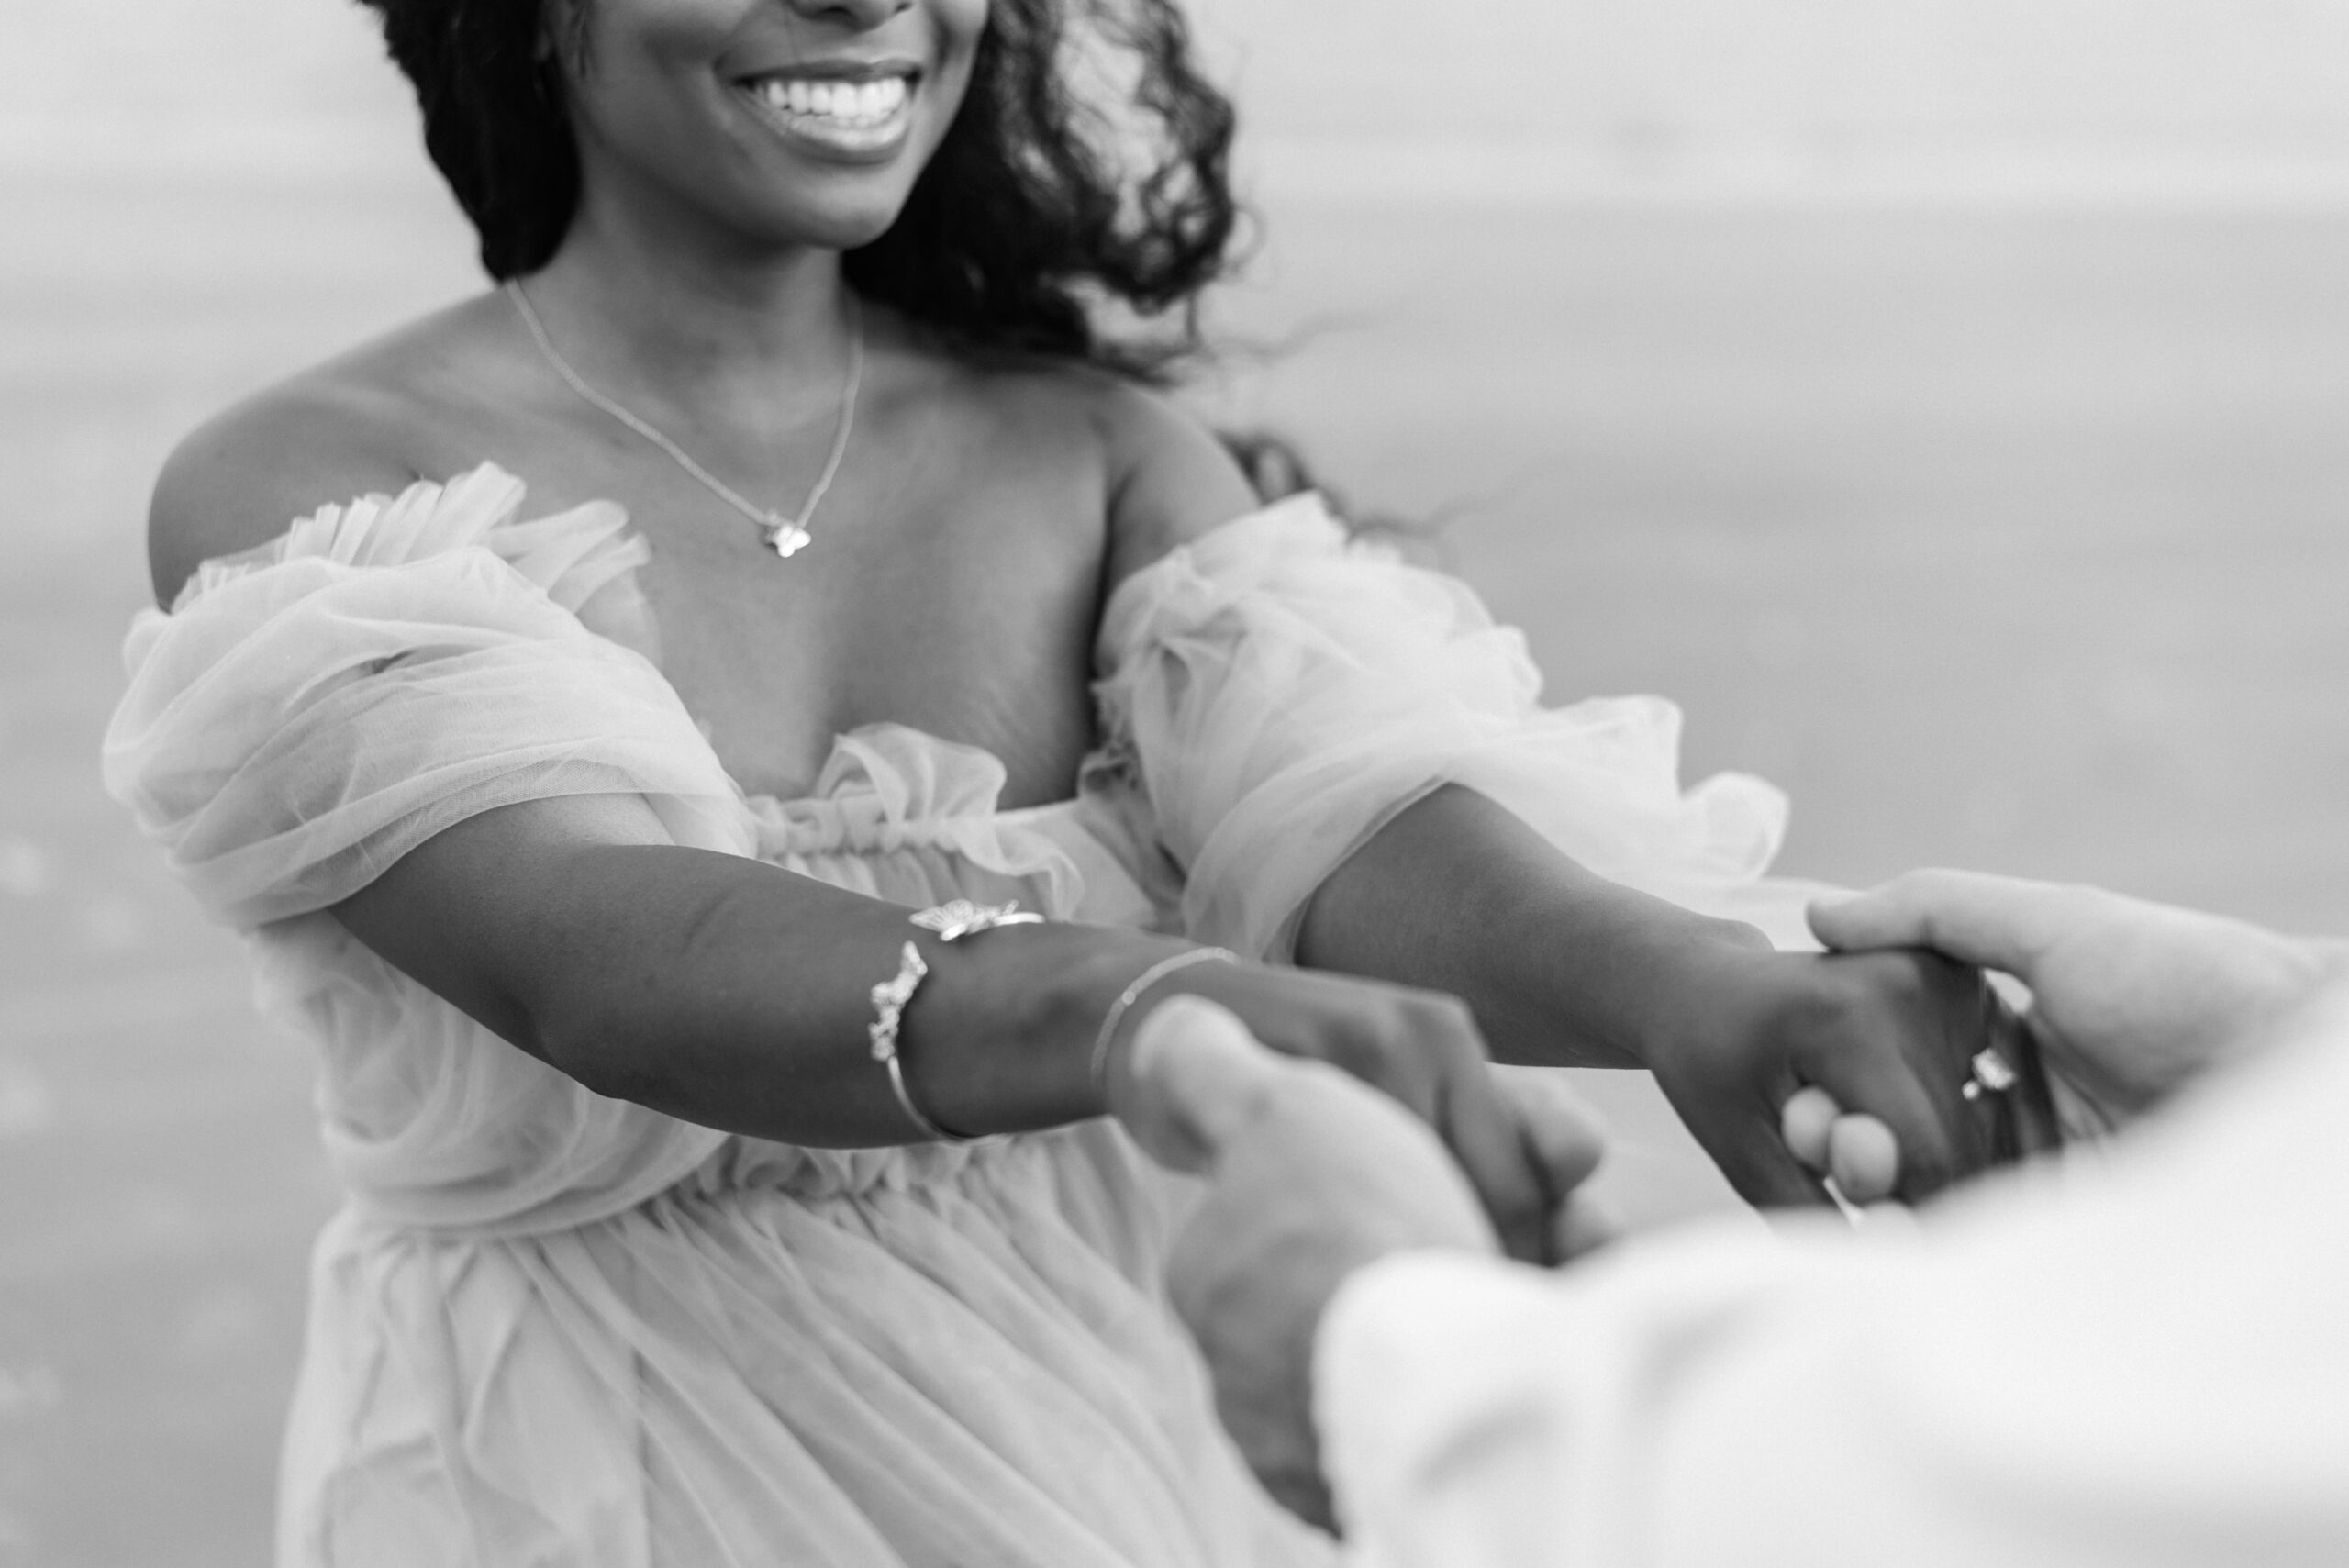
[[952, 921], [1132, 993]]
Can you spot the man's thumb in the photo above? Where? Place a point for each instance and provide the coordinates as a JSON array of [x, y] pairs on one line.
[[1199, 1078], [1997, 922]]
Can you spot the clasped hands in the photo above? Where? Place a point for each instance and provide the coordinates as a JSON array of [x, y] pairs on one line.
[[1314, 1175], [1736, 1034]]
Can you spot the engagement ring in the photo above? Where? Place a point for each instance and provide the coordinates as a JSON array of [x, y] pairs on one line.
[[1993, 1075]]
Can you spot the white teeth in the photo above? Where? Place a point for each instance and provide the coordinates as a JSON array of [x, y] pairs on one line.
[[850, 102]]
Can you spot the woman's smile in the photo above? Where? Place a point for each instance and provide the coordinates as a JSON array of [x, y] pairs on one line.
[[850, 113], [784, 122]]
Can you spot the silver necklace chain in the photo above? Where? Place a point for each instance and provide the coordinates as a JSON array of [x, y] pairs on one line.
[[786, 536]]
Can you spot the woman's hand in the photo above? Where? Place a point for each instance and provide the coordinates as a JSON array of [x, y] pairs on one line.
[[1422, 1048], [1888, 1035], [1566, 968]]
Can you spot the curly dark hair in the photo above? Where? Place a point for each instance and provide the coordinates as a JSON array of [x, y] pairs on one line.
[[1046, 224]]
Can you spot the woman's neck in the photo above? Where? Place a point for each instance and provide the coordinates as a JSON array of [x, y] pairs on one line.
[[644, 305]]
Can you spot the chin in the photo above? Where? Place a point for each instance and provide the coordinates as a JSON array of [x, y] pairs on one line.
[[865, 222], [850, 214], [834, 231]]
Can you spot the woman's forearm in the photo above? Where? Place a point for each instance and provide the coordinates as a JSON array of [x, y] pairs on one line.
[[733, 993], [755, 1019], [1560, 966]]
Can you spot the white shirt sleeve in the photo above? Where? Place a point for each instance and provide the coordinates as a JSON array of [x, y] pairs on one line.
[[2139, 1360]]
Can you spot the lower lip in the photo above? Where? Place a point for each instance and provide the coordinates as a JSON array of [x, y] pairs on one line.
[[872, 142]]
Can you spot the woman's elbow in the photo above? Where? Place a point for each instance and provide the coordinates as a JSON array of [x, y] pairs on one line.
[[594, 1047]]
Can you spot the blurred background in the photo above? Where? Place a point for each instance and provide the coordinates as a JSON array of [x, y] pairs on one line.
[[1946, 401]]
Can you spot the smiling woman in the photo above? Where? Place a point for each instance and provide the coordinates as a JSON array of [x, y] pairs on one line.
[[991, 232], [722, 1130]]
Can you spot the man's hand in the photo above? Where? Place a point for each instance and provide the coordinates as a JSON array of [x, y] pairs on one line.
[[1420, 1048], [1311, 1175], [1750, 1032], [2130, 999]]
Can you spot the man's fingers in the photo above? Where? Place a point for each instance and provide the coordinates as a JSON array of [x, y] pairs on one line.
[[1804, 1122], [1998, 922], [1566, 1141], [1934, 1135], [1485, 1138], [1582, 1225], [1857, 1149], [1565, 1135], [1201, 1077], [1865, 1159]]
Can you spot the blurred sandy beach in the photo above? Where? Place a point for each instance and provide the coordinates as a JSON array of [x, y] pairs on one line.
[[2000, 514]]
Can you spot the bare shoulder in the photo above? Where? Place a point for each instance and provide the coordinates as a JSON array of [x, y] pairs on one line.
[[346, 428], [1170, 477], [242, 476], [1138, 465]]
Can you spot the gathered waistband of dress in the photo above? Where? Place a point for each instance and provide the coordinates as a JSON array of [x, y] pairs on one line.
[[736, 1165], [742, 1164], [857, 825]]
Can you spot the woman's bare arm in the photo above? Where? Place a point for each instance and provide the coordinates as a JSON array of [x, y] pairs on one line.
[[1560, 966], [732, 992], [1454, 891]]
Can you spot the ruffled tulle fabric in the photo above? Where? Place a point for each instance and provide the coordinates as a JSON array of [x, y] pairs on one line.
[[555, 1328], [311, 711], [1276, 690]]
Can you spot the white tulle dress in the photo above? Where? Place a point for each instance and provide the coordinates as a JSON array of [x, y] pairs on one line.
[[552, 1329]]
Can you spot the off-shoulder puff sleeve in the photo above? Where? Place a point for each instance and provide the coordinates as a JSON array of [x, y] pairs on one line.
[[310, 712], [1275, 691]]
